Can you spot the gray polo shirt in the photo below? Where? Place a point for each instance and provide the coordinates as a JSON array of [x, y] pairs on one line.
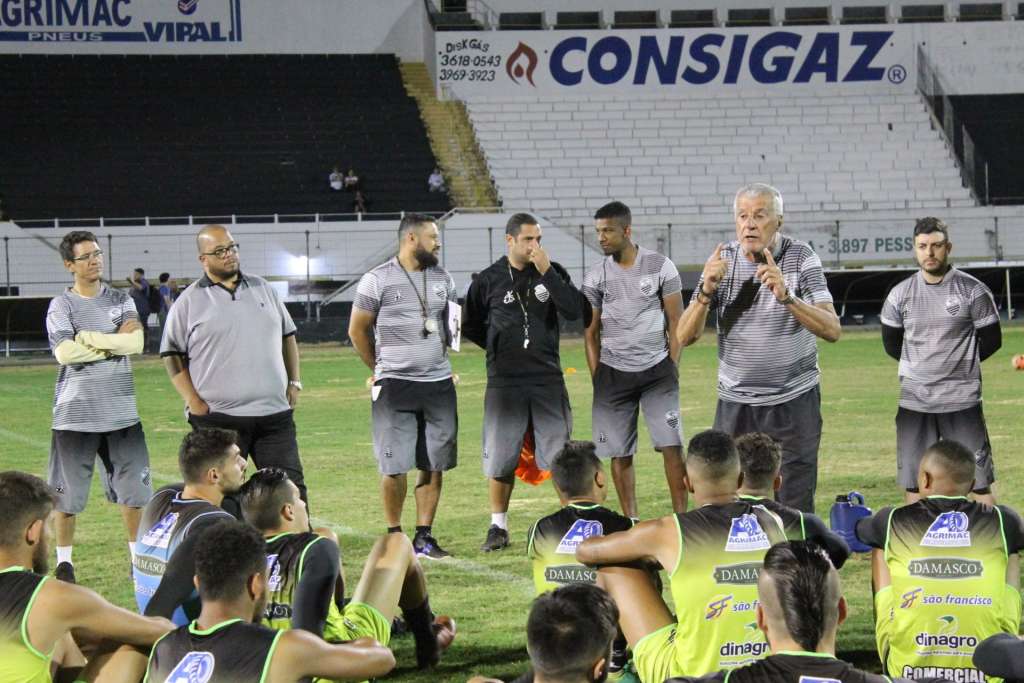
[[232, 344], [765, 356]]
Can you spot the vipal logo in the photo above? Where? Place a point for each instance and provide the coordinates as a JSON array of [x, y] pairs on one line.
[[746, 534], [521, 62], [581, 530], [187, 7], [949, 530]]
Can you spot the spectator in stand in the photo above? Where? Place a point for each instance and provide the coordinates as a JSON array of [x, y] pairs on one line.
[[336, 180], [359, 202], [351, 180], [435, 183]]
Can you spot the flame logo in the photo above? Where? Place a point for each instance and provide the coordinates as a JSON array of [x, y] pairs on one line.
[[514, 64]]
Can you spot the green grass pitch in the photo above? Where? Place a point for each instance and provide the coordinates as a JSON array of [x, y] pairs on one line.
[[489, 594]]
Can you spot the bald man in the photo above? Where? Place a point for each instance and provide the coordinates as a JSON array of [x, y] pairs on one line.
[[229, 347]]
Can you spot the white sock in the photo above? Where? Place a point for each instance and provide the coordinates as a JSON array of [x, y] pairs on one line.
[[500, 519], [131, 549], [63, 553]]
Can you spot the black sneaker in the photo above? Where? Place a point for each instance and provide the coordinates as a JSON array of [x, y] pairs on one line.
[[497, 538], [426, 546], [65, 572]]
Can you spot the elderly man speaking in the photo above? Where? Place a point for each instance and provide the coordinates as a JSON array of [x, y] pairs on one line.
[[769, 294]]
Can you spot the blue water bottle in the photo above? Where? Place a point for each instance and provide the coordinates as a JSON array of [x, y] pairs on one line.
[[843, 517]]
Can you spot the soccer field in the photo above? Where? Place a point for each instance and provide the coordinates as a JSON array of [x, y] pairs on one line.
[[489, 594]]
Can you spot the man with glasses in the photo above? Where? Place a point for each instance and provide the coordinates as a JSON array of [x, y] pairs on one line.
[[229, 347], [92, 330]]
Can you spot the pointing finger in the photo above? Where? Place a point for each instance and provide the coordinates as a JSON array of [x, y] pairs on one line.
[[769, 259], [717, 253]]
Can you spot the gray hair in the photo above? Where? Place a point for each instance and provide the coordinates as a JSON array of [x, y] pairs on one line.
[[759, 190]]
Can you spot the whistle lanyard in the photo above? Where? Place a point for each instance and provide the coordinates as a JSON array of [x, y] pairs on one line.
[[423, 301], [522, 306]]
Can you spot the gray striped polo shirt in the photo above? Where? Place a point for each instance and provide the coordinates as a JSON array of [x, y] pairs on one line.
[[632, 318], [765, 356], [396, 297], [97, 396], [232, 342], [939, 368]]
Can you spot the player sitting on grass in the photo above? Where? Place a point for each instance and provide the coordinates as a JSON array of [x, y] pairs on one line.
[[37, 615], [210, 462], [569, 636], [582, 487], [224, 646], [761, 463], [306, 584], [945, 571], [712, 555]]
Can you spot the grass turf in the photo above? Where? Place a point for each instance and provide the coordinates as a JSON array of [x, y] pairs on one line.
[[489, 594]]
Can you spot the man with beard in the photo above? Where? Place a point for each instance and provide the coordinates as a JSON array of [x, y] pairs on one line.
[[222, 645], [772, 304], [399, 329], [229, 347], [212, 466], [635, 293], [940, 324], [37, 614], [513, 310]]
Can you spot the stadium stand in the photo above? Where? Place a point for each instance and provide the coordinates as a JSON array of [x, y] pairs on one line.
[[996, 123], [674, 156], [89, 136]]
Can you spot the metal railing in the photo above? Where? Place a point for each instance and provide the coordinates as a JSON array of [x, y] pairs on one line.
[[973, 165]]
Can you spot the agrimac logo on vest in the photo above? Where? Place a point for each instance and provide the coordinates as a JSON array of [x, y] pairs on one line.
[[125, 21], [672, 58]]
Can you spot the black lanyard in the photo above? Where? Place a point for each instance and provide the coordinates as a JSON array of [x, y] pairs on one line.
[[522, 306], [427, 322]]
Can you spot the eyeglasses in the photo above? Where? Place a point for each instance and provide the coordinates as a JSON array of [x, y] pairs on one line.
[[221, 252], [91, 256]]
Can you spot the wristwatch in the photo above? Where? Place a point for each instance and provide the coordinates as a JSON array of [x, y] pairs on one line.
[[788, 300], [295, 383]]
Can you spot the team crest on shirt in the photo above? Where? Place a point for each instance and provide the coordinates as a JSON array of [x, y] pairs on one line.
[[509, 298], [541, 293], [746, 534], [949, 530], [953, 305], [195, 667], [275, 580], [440, 291], [581, 530], [159, 535], [646, 286]]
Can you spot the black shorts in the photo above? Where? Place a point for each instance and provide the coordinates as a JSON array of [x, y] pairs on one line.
[[618, 398], [917, 431], [125, 460]]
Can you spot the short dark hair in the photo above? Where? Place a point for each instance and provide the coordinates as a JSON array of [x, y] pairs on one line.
[[760, 458], [574, 467], [616, 211], [801, 573], [716, 450], [24, 498], [930, 224], [263, 496], [227, 554], [67, 245], [412, 222], [164, 277], [569, 629], [517, 221], [202, 449], [955, 458], [140, 271]]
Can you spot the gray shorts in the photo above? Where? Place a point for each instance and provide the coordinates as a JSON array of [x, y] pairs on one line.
[[507, 413], [618, 398], [125, 459], [916, 431], [415, 426], [796, 425]]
